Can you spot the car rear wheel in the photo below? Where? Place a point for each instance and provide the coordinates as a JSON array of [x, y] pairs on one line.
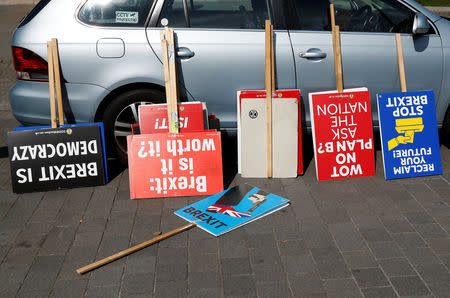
[[121, 114]]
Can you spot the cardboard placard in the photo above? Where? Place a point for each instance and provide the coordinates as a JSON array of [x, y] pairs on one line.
[[277, 146], [342, 134], [409, 134], [54, 158], [173, 165], [231, 209], [153, 118]]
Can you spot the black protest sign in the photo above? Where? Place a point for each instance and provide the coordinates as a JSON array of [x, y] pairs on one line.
[[48, 159]]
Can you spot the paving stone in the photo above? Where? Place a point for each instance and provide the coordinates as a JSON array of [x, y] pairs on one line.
[[431, 230], [69, 288], [342, 288], [273, 289], [264, 258], [42, 274], [347, 237], [138, 283], [58, 241], [397, 224], [440, 246], [299, 264], [375, 234], [241, 285], [229, 249], [330, 263], [235, 266], [433, 273], [173, 255], [370, 277], [385, 250], [419, 218], [317, 235], [260, 240], [33, 293], [101, 292], [275, 273], [383, 292], [359, 259], [287, 233], [171, 272], [292, 247], [108, 275], [204, 246], [203, 280], [203, 263], [421, 256], [307, 285], [409, 240], [440, 289], [409, 286], [9, 289], [140, 263], [397, 267]]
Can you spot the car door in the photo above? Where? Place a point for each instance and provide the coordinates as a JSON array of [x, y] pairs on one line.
[[220, 50], [369, 56]]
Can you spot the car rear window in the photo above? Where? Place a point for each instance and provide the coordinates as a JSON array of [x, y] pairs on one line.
[[115, 13], [34, 12]]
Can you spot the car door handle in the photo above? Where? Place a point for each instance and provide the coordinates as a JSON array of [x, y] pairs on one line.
[[185, 53], [313, 55]]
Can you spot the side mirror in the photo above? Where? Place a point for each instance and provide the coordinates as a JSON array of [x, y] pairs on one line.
[[420, 25]]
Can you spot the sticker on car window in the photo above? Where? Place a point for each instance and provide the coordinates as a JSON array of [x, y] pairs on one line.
[[131, 17]]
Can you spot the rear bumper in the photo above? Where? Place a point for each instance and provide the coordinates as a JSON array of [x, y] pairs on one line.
[[30, 101]]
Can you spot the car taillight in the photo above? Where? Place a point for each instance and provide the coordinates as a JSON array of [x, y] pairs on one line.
[[29, 66]]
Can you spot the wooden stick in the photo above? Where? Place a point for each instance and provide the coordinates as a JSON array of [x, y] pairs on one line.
[[172, 100], [272, 36], [165, 60], [269, 88], [401, 63], [332, 17], [338, 61], [133, 249], [51, 82], [57, 81]]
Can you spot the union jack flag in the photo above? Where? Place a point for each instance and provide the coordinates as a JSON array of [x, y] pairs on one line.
[[228, 210]]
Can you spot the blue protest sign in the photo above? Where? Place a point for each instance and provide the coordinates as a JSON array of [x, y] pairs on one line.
[[232, 209], [409, 134]]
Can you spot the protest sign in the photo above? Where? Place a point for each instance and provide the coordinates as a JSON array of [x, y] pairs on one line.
[[172, 165], [53, 158], [232, 208], [409, 134], [342, 134], [153, 118], [286, 132]]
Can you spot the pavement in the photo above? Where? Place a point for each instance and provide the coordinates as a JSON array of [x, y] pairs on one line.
[[363, 237]]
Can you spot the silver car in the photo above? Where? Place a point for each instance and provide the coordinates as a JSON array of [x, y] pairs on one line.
[[111, 56]]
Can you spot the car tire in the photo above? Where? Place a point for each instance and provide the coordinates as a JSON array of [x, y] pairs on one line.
[[121, 114]]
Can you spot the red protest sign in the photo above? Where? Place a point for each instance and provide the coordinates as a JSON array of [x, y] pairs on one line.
[[343, 135], [153, 118], [173, 165]]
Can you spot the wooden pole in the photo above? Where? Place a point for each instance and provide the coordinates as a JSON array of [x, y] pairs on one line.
[[401, 63], [165, 60], [51, 82], [57, 80], [172, 100], [338, 61], [269, 88], [336, 37], [133, 249]]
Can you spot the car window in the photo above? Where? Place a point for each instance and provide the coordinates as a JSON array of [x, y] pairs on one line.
[[356, 15], [231, 14], [115, 13]]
